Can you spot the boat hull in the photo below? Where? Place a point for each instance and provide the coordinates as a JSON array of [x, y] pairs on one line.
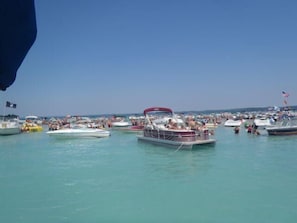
[[232, 123], [121, 124], [278, 131], [10, 131], [176, 144], [8, 128], [182, 139], [79, 133]]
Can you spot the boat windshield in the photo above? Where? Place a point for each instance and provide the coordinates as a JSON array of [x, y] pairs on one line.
[[8, 117]]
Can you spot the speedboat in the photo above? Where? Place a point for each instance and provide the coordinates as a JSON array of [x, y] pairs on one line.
[[9, 126], [79, 133], [233, 123], [285, 127], [178, 135], [263, 122], [120, 124], [132, 125], [260, 124]]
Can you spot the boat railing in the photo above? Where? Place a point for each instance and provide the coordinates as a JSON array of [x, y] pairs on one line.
[[202, 134], [180, 136], [286, 122]]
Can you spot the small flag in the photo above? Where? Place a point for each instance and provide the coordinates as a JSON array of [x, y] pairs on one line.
[[10, 105], [285, 94]]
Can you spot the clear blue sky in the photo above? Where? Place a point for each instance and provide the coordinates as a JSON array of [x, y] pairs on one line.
[[122, 56]]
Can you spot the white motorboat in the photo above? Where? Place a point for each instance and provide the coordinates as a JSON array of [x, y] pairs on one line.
[[79, 133], [282, 130], [119, 125], [285, 127], [260, 124], [233, 123], [263, 122], [9, 126]]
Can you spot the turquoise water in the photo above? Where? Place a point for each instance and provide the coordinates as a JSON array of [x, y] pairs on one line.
[[243, 178]]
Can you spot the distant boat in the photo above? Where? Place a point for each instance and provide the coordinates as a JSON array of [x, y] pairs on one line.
[[131, 128], [211, 125], [120, 124], [179, 137], [9, 125], [79, 133], [232, 123], [288, 122], [32, 123], [285, 127], [33, 119], [31, 127], [262, 122]]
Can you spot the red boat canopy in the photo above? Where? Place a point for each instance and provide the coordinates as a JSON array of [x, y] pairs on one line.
[[157, 109]]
